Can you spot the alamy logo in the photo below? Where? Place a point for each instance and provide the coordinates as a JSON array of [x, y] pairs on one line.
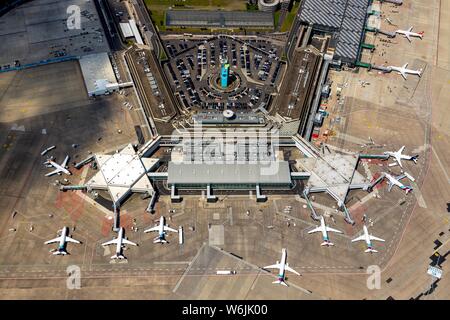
[[74, 277], [74, 19], [374, 280]]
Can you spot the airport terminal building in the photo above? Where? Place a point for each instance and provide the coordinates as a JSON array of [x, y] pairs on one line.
[[245, 176]]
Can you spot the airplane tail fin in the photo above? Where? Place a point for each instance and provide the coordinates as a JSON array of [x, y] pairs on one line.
[[159, 240], [420, 72], [327, 243], [371, 250], [281, 282], [408, 189], [414, 158], [118, 256], [60, 253]]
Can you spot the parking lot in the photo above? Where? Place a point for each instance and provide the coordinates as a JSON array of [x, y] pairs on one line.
[[194, 71]]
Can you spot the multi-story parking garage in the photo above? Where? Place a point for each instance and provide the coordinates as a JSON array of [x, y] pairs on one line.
[[219, 19]]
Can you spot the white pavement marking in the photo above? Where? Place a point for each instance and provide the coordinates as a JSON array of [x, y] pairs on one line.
[[188, 268], [441, 165]]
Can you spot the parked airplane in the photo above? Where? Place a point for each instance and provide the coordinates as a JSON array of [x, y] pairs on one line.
[[282, 266], [396, 181], [324, 229], [161, 228], [63, 239], [398, 156], [59, 167], [404, 71], [408, 33], [367, 238], [120, 242]]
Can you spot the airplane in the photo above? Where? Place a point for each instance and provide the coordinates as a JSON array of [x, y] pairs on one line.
[[282, 266], [161, 228], [399, 156], [367, 238], [120, 242], [59, 167], [408, 33], [396, 181], [324, 229], [63, 239], [404, 71]]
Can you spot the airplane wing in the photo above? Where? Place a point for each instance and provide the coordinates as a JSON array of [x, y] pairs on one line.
[[286, 267], [403, 74], [69, 239], [390, 185], [53, 172], [170, 229], [128, 242], [333, 230], [408, 37], [156, 228], [399, 162], [375, 238], [318, 229], [273, 266], [64, 164], [53, 240], [360, 238], [410, 29], [401, 149], [113, 241], [400, 177]]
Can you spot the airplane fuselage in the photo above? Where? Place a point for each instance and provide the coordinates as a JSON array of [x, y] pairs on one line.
[[161, 228], [282, 271], [62, 242], [119, 242], [367, 238]]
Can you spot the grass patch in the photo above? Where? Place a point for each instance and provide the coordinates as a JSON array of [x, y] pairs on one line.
[[290, 17], [276, 18]]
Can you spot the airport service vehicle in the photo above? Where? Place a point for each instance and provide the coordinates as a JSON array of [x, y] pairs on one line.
[[162, 229], [60, 168], [47, 150], [368, 239], [282, 266], [63, 239], [324, 229], [120, 242], [408, 33], [398, 156]]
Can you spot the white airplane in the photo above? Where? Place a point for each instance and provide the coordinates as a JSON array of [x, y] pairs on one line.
[[408, 33], [404, 71], [399, 156], [396, 181], [324, 229], [162, 227], [63, 239], [282, 266], [368, 239], [120, 242], [59, 167]]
